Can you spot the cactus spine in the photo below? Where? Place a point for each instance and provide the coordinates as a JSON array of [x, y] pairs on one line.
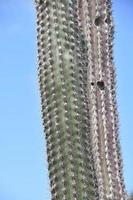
[[77, 86]]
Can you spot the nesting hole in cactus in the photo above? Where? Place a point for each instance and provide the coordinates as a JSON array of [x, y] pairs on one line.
[[92, 83], [101, 85], [98, 21]]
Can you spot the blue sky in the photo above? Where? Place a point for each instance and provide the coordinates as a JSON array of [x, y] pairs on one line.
[[23, 164]]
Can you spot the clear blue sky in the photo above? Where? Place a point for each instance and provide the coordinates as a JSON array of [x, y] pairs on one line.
[[23, 164]]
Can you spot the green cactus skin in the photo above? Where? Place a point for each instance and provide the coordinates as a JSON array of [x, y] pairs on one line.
[[79, 111], [63, 79]]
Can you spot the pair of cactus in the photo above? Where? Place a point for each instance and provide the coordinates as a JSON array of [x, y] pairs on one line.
[[77, 86]]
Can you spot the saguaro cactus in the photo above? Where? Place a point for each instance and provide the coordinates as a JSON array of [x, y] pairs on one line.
[[77, 85]]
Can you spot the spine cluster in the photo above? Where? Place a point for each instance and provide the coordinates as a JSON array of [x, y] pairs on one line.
[[78, 99]]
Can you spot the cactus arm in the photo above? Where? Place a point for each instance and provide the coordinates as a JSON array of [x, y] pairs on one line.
[[96, 23], [61, 77]]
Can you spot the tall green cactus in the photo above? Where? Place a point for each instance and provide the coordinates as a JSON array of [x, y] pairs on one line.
[[76, 77]]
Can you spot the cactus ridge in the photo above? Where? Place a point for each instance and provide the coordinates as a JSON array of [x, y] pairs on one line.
[[106, 165], [113, 112]]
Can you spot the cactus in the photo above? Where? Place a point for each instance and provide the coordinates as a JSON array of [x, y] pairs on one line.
[[77, 85]]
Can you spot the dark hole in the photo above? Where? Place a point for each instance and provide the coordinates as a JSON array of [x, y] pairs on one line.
[[92, 83], [100, 84], [98, 21]]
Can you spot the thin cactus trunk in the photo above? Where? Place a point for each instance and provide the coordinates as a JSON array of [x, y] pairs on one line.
[[77, 85]]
